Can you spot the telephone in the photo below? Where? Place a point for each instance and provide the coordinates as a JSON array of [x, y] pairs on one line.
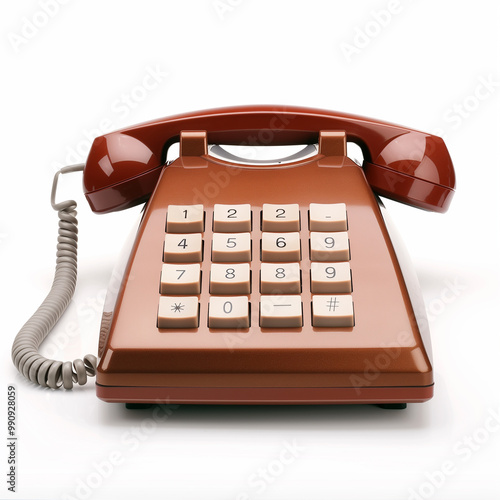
[[254, 282]]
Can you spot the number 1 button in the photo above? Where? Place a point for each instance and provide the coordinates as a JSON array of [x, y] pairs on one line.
[[185, 219]]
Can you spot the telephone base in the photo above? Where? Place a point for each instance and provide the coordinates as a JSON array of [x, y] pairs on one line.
[[138, 406], [392, 406]]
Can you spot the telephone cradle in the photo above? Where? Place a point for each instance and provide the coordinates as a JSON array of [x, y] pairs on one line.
[[264, 282]]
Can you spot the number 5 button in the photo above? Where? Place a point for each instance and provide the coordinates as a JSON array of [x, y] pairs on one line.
[[231, 247], [232, 218]]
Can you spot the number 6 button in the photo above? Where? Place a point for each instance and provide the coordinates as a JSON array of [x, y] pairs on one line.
[[228, 312], [232, 218], [280, 247]]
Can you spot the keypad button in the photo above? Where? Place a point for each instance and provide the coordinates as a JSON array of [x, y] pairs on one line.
[[327, 217], [178, 312], [232, 218], [280, 217], [332, 311], [228, 312], [330, 277], [280, 311], [329, 247], [280, 278], [280, 247], [183, 248], [230, 278], [185, 219], [231, 247], [180, 279]]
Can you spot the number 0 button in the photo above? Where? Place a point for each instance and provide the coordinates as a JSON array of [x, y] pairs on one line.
[[228, 312]]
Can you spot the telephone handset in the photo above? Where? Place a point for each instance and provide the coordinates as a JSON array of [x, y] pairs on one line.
[[254, 283], [402, 164]]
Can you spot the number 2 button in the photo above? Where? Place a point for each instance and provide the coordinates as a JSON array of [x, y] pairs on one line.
[[280, 217], [232, 218]]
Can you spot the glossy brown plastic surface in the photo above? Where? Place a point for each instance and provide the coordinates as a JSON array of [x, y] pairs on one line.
[[407, 165], [383, 358]]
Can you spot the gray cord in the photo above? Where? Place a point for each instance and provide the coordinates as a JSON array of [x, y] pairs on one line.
[[25, 355]]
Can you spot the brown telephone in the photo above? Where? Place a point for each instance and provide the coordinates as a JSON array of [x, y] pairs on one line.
[[255, 283]]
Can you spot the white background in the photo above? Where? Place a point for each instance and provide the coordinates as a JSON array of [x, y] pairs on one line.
[[66, 80]]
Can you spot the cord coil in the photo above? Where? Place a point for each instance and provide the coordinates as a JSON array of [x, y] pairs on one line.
[[30, 363]]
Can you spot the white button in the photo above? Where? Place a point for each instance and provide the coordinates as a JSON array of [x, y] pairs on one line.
[[182, 248], [228, 312], [185, 219], [180, 279], [327, 217], [332, 311], [231, 247], [329, 247], [280, 217], [230, 278], [280, 311], [330, 277], [232, 218], [280, 278], [280, 247], [178, 312]]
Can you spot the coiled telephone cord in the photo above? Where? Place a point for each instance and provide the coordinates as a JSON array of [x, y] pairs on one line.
[[30, 363]]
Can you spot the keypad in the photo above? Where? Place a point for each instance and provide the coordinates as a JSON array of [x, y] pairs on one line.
[[260, 251]]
